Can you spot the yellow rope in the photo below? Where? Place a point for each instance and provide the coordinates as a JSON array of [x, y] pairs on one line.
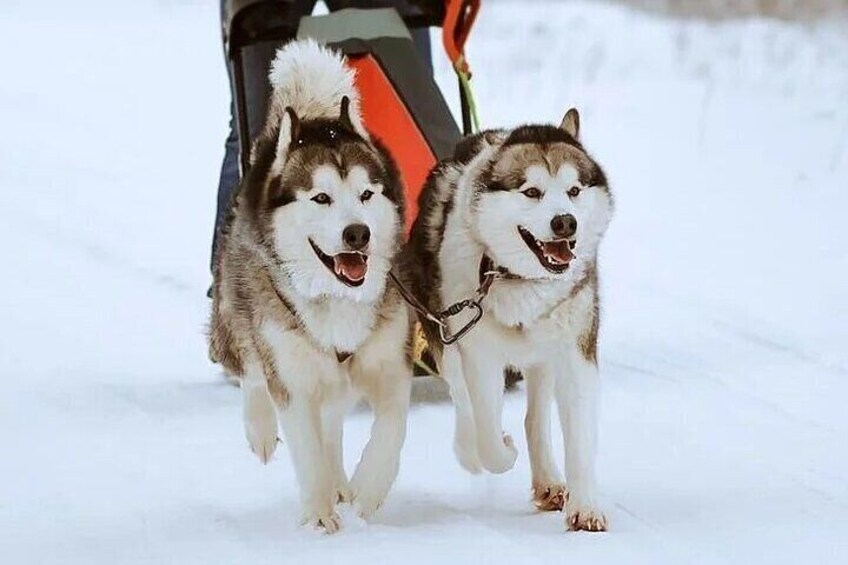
[[465, 83], [419, 346]]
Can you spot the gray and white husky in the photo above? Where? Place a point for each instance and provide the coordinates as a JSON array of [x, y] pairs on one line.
[[302, 314], [532, 204]]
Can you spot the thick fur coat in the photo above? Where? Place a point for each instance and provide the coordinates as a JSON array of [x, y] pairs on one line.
[[532, 202], [302, 314]]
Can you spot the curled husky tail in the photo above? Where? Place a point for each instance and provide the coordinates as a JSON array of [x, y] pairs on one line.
[[312, 80]]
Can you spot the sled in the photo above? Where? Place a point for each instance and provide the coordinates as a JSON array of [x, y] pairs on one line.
[[400, 101]]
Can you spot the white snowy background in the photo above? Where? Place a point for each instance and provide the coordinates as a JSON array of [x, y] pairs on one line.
[[725, 327]]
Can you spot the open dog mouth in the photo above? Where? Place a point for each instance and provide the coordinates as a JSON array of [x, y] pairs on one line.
[[349, 266], [554, 255]]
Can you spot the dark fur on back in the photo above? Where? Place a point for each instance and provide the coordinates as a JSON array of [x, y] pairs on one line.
[[435, 204]]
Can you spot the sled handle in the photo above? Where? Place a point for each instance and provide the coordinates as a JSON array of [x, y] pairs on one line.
[[459, 19]]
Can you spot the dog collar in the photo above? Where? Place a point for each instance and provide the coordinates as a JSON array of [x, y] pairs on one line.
[[488, 268]]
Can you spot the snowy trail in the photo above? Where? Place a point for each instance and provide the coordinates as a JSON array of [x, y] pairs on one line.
[[724, 337]]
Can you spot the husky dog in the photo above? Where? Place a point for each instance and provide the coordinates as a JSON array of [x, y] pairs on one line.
[[532, 205], [302, 314]]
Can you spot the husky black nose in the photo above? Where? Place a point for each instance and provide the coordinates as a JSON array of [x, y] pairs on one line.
[[356, 236], [564, 225]]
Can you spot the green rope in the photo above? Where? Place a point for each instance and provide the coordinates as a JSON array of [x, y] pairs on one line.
[[465, 83]]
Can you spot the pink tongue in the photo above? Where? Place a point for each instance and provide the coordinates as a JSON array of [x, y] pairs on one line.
[[352, 266], [558, 250]]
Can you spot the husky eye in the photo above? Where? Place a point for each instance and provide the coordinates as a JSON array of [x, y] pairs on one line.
[[322, 198], [366, 196], [532, 192], [574, 191]]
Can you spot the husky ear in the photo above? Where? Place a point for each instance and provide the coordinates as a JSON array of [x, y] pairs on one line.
[[294, 125], [344, 114], [350, 119], [289, 130], [571, 123]]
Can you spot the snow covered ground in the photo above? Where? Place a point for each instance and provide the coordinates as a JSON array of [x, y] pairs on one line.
[[724, 428]]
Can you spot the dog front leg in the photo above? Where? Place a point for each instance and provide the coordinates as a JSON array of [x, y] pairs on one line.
[[387, 389], [485, 381], [549, 492], [578, 395], [465, 432], [301, 421], [333, 434], [259, 413]]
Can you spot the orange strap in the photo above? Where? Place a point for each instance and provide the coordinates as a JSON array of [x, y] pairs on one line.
[[459, 18]]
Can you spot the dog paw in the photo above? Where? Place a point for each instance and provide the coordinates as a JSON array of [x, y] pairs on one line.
[[468, 458], [549, 497], [368, 497], [367, 504], [262, 445], [327, 522], [586, 519], [365, 509], [344, 494], [501, 460], [509, 444], [260, 423]]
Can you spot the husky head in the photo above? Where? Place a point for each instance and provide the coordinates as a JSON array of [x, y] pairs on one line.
[[541, 203], [332, 208]]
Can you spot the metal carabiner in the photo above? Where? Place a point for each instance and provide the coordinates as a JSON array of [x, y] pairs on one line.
[[448, 338]]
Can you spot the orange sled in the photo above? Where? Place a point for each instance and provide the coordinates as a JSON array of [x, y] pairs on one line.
[[401, 104]]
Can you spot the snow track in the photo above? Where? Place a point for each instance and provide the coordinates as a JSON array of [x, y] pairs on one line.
[[725, 272]]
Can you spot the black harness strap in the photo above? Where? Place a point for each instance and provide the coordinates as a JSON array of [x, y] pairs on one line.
[[488, 274], [413, 301]]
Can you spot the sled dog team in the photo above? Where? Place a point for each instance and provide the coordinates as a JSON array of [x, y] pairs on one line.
[[305, 316]]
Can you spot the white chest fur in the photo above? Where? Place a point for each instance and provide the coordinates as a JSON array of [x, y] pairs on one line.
[[529, 303], [526, 344], [338, 324], [301, 365]]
